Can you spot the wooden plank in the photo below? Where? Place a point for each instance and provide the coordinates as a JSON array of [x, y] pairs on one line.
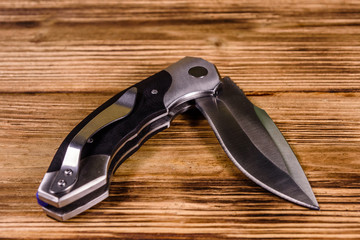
[[297, 60], [89, 47], [70, 67]]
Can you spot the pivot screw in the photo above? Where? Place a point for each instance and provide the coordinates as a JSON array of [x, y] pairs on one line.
[[198, 71], [154, 91], [68, 172], [61, 183]]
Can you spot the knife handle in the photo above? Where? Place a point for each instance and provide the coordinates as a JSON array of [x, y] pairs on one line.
[[95, 148], [109, 127]]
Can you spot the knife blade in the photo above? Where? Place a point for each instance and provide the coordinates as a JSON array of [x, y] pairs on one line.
[[80, 173], [255, 145]]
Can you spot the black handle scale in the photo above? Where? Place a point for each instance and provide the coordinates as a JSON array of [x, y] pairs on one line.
[[149, 105]]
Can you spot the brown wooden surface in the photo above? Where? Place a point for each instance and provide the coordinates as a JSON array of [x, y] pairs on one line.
[[298, 60]]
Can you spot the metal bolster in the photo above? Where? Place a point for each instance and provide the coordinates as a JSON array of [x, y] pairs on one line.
[[191, 78]]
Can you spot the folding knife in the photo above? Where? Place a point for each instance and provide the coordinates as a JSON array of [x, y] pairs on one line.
[[79, 175]]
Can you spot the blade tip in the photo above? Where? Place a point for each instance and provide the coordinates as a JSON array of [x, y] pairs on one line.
[[312, 206], [315, 207]]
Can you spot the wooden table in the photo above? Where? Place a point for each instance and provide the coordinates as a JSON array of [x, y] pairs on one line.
[[298, 60]]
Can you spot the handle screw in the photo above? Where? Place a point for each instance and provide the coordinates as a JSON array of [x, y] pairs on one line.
[[61, 183], [198, 71], [154, 91], [68, 172]]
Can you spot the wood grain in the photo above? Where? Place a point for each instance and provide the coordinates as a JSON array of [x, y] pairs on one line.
[[298, 60]]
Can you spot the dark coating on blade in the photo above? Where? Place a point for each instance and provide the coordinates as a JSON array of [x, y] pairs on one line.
[[251, 147]]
